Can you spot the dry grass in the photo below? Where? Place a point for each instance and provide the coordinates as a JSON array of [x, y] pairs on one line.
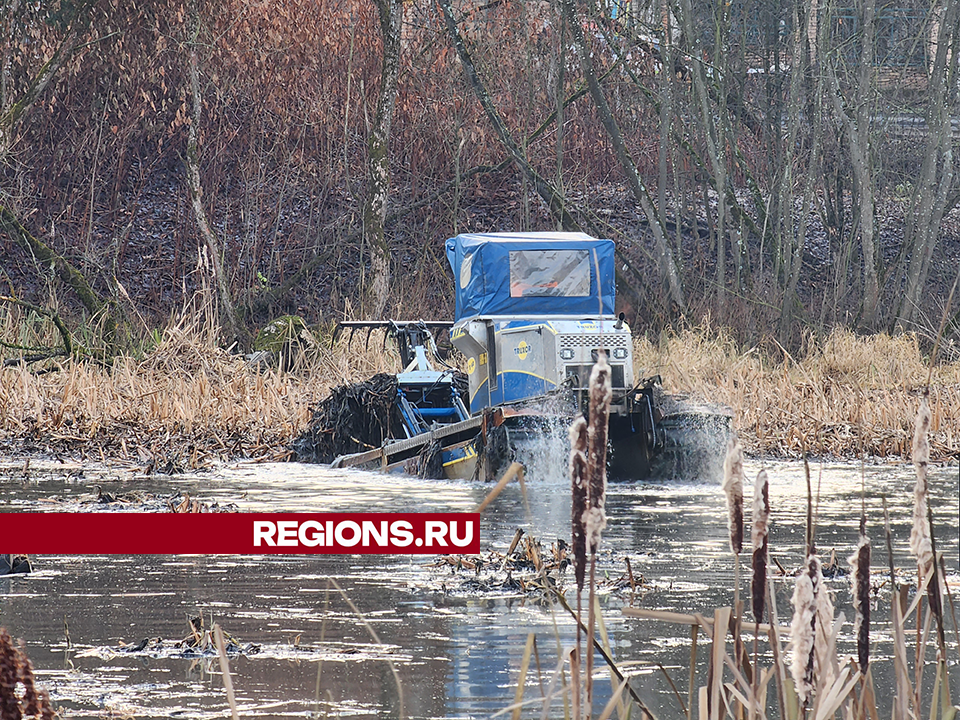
[[846, 395], [186, 404]]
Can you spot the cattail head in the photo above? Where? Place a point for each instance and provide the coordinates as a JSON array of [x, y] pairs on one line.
[[803, 629], [825, 648], [600, 395], [578, 505], [761, 519], [860, 584], [733, 488], [920, 544], [9, 676]]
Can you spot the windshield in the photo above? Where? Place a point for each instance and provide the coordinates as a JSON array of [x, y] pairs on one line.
[[553, 273]]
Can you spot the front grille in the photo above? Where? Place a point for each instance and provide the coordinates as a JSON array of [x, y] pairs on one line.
[[581, 373], [594, 341]]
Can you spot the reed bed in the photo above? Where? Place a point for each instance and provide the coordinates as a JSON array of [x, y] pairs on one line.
[[846, 396], [185, 404]]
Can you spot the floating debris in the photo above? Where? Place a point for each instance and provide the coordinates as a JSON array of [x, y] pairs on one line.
[[352, 418], [198, 643], [139, 501], [528, 569]]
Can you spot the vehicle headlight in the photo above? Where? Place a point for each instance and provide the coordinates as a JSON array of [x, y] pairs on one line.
[[620, 353], [566, 354]]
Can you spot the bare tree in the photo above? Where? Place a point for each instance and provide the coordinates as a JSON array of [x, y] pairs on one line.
[[231, 327], [665, 258], [855, 110], [547, 192], [800, 96], [378, 142], [13, 106], [713, 120], [935, 183]]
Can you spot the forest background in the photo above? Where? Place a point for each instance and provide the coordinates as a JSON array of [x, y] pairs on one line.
[[778, 167]]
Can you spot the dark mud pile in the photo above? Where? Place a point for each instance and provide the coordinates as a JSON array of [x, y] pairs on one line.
[[353, 418]]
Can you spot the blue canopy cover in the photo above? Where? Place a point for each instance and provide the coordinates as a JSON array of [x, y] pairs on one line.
[[550, 273]]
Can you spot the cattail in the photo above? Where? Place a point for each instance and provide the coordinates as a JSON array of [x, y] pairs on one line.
[[578, 505], [813, 649], [761, 518], [16, 669], [733, 488], [920, 544], [600, 396], [31, 699], [803, 629], [825, 667], [9, 675], [860, 584]]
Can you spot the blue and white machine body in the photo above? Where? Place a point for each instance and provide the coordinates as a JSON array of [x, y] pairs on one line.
[[533, 310]]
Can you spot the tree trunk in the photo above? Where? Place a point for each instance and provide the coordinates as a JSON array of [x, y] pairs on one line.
[[713, 127], [937, 171], [230, 326], [378, 146], [665, 256], [857, 127], [801, 92]]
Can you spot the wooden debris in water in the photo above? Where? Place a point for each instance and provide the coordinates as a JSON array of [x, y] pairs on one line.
[[352, 418]]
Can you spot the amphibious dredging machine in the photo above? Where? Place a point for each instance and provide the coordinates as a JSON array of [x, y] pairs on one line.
[[533, 313]]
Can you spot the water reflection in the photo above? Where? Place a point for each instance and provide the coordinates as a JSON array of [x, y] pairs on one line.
[[457, 651]]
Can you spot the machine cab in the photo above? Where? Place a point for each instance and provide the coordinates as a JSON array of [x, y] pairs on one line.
[[533, 310]]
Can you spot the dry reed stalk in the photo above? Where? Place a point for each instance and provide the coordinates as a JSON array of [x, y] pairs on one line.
[[522, 679], [376, 638], [225, 669], [575, 696]]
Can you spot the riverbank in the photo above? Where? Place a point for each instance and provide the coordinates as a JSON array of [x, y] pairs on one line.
[[189, 405]]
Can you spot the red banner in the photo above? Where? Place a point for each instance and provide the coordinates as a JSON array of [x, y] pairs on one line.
[[241, 533]]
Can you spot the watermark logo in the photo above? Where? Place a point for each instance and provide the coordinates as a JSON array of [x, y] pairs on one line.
[[242, 533]]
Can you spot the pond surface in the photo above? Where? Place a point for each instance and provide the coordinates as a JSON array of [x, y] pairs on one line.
[[447, 646]]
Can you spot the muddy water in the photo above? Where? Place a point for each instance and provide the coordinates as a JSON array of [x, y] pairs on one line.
[[451, 647]]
